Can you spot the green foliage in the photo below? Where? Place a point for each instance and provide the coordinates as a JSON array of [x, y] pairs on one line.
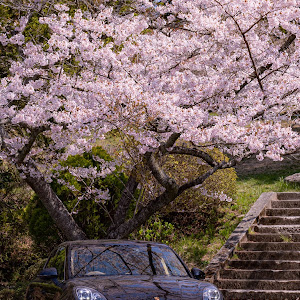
[[192, 249], [155, 230], [19, 260], [34, 269], [93, 217], [122, 7], [35, 31], [282, 29], [15, 244], [9, 52], [41, 226], [192, 211], [16, 291], [7, 294], [51, 287]]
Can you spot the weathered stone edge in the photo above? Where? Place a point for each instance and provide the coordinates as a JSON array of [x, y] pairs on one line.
[[238, 235], [295, 178], [288, 196]]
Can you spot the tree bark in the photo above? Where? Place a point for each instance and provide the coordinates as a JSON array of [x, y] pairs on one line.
[[57, 210], [143, 215], [124, 203], [170, 194]]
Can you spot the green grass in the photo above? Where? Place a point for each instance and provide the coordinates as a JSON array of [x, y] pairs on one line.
[[286, 239], [251, 187], [198, 250]]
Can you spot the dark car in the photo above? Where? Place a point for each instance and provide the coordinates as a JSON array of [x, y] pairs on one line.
[[108, 269]]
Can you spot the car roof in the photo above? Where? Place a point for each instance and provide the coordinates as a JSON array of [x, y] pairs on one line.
[[109, 242]]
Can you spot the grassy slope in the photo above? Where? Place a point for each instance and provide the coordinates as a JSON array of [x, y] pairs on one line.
[[199, 249]]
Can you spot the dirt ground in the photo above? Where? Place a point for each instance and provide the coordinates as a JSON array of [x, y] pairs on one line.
[[253, 166]]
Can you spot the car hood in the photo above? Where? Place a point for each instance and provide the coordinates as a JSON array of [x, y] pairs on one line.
[[142, 287]]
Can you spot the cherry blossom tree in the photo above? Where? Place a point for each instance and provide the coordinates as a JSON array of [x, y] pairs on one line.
[[179, 77]]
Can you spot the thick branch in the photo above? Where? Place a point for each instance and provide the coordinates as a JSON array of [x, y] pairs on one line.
[[2, 137], [124, 203], [288, 42], [194, 152], [172, 140], [127, 195], [158, 173], [57, 210], [169, 143], [161, 201], [199, 180], [144, 214], [26, 149]]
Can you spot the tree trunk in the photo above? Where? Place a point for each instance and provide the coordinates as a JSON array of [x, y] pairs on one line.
[[57, 210], [170, 194], [124, 203], [143, 215]]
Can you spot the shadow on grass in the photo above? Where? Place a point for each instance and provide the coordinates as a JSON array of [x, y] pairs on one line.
[[270, 177]]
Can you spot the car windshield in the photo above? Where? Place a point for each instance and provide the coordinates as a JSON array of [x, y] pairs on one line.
[[125, 260]]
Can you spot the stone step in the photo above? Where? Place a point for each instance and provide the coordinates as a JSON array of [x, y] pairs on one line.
[[282, 229], [258, 246], [264, 264], [268, 255], [283, 212], [260, 295], [288, 196], [286, 204], [267, 266], [260, 274], [280, 220], [273, 237], [254, 284]]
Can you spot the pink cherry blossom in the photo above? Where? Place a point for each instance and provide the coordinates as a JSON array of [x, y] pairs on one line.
[[219, 73]]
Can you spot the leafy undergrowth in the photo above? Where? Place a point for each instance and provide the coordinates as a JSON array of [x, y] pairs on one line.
[[199, 249]]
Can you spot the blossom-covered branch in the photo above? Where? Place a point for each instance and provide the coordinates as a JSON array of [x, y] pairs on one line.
[[161, 76]]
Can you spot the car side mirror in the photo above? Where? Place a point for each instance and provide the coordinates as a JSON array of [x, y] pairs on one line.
[[48, 273], [198, 274]]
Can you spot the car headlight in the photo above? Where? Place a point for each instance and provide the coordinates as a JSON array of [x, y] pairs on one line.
[[84, 293], [211, 293]]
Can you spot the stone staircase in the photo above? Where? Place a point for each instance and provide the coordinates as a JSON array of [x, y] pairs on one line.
[[265, 262]]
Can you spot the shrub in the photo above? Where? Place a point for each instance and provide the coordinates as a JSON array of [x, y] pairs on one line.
[[40, 225], [192, 211], [15, 244], [7, 294], [156, 230]]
